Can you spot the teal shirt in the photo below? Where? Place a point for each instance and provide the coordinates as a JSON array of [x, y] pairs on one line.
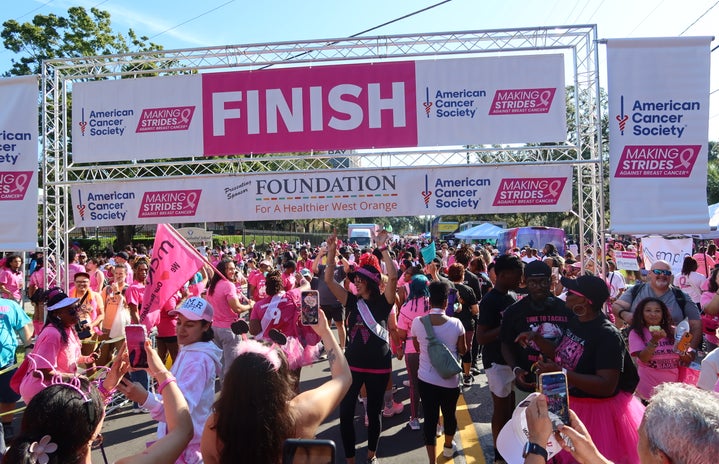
[[12, 319]]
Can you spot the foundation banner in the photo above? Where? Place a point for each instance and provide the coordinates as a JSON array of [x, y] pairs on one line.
[[18, 163], [659, 127], [429, 103], [325, 194]]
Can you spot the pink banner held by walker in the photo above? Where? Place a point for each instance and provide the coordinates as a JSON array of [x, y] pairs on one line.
[[174, 262]]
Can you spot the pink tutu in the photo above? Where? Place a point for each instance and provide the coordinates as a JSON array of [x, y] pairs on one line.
[[299, 355], [613, 424]]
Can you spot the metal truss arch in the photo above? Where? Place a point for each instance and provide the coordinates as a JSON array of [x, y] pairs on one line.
[[578, 43]]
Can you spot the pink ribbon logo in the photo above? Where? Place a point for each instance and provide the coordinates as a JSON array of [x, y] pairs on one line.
[[685, 157], [192, 200], [185, 116], [545, 98], [20, 182], [554, 188]]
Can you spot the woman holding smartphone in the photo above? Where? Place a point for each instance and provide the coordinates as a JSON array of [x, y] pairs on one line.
[[600, 373], [196, 367], [280, 310]]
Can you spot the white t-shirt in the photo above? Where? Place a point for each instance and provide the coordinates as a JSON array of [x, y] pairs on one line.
[[616, 283], [447, 333], [709, 376]]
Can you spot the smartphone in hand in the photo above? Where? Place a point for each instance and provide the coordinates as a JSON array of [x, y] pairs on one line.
[[310, 307], [135, 336], [554, 386]]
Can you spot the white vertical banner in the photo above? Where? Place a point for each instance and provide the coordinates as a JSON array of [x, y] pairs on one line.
[[671, 250], [659, 128], [18, 163]]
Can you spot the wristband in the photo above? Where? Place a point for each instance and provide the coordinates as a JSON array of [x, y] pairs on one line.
[[107, 395], [382, 248], [165, 383]]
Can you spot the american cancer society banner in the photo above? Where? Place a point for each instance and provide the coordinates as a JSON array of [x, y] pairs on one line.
[[18, 163], [325, 194], [658, 115], [515, 99]]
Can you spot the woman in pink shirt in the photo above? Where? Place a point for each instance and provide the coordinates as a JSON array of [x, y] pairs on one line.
[[57, 348], [12, 279], [222, 295]]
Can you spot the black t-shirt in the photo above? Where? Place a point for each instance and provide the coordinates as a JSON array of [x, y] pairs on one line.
[[473, 282], [491, 309], [364, 349], [594, 345], [467, 298], [549, 319]]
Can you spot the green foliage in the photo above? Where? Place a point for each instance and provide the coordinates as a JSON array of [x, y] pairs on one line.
[[81, 33]]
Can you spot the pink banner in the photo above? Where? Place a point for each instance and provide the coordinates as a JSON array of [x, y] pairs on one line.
[[174, 262], [322, 107]]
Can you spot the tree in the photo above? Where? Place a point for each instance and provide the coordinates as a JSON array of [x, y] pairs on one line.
[[81, 33]]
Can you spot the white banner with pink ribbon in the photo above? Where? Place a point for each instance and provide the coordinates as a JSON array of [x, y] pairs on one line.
[[18, 163], [466, 101], [326, 194], [659, 127]]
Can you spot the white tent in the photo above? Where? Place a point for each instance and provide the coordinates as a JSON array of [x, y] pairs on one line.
[[482, 231]]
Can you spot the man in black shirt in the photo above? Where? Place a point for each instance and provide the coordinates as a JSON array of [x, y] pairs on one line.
[[508, 269], [539, 312]]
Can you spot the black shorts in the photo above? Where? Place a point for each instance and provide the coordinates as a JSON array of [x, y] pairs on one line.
[[336, 313], [7, 394]]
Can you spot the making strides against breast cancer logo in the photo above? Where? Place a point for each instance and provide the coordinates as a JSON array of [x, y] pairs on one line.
[[522, 101], [169, 203], [529, 192], [657, 160], [165, 119], [13, 185]]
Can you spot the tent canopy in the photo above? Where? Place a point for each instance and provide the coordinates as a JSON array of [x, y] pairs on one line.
[[482, 231]]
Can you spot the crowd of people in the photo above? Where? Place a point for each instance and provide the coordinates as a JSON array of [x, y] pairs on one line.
[[523, 314]]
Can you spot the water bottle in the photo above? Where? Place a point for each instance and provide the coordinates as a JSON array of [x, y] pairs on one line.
[[682, 337]]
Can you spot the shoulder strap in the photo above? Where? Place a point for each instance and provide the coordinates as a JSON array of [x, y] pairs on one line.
[[428, 328], [635, 291], [681, 301]]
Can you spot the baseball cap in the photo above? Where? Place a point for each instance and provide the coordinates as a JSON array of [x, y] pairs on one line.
[[537, 269], [306, 272], [513, 436], [194, 309], [265, 262], [592, 288], [123, 255], [57, 299]]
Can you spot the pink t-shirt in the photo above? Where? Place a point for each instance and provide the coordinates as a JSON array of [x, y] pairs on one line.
[[662, 367], [284, 317], [166, 327], [13, 282], [257, 280], [224, 315], [288, 281], [410, 310], [50, 353]]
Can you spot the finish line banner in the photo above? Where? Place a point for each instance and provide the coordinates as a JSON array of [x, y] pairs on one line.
[[325, 194], [18, 163], [516, 99], [659, 127]]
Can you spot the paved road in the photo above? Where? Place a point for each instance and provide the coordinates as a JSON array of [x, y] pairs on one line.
[[126, 433]]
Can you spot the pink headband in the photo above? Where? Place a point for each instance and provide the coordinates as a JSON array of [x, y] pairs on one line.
[[270, 353], [370, 275]]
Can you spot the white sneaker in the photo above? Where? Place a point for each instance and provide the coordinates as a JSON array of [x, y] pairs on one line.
[[449, 452], [414, 423], [391, 410]]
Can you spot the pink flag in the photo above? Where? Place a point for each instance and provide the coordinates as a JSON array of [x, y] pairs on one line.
[[174, 262]]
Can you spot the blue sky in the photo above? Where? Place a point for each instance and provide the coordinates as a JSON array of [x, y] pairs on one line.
[[189, 24]]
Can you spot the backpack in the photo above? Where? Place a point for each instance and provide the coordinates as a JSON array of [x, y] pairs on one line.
[[443, 361], [678, 295]]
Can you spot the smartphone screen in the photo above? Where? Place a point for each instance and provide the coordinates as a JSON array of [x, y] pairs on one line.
[[554, 387], [300, 451], [310, 307], [135, 335]]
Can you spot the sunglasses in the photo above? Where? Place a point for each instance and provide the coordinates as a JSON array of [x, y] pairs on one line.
[[661, 272]]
